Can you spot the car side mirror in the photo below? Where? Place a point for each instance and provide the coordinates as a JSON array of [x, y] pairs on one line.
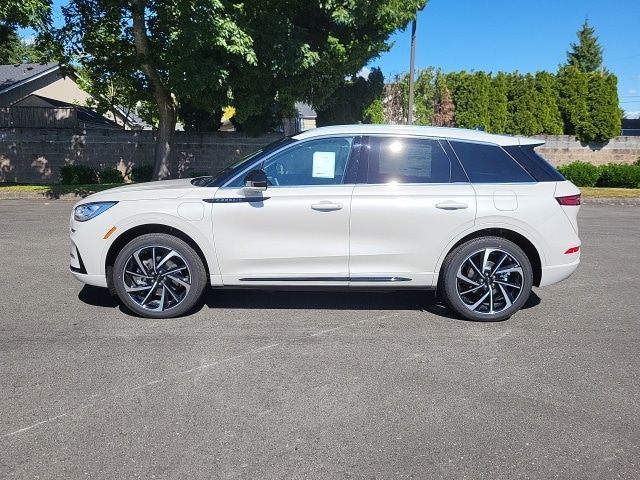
[[256, 180]]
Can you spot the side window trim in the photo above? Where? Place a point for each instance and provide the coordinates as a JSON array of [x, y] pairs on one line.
[[262, 159]]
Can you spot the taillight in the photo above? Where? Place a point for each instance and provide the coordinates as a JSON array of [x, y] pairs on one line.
[[572, 250], [570, 200]]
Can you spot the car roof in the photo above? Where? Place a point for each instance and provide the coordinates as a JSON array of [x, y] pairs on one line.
[[412, 130]]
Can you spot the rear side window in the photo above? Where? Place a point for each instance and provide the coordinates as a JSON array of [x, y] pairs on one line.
[[485, 163], [537, 166], [407, 160]]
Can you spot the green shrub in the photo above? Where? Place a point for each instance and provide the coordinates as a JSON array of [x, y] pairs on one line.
[[142, 173], [77, 175], [110, 175], [581, 174], [619, 175]]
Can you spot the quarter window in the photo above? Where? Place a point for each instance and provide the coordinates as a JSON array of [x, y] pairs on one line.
[[485, 163], [407, 160]]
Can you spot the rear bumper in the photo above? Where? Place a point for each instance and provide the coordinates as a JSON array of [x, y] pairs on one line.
[[557, 273]]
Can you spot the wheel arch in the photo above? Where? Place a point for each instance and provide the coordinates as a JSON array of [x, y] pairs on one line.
[[533, 254], [134, 232]]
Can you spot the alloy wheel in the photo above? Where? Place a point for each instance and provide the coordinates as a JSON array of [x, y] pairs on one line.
[[489, 281], [156, 278]]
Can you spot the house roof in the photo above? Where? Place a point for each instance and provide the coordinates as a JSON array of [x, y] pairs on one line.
[[12, 76], [630, 123], [411, 130], [85, 115]]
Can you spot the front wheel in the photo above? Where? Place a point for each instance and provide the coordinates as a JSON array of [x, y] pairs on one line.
[[158, 276], [486, 279]]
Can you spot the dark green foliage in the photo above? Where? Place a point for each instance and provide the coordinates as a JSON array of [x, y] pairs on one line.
[[547, 110], [374, 113], [586, 55], [581, 174], [141, 173], [605, 116], [499, 104], [351, 99], [619, 175], [470, 92], [573, 91], [523, 105], [424, 96], [197, 119], [443, 109], [616, 175], [110, 175], [77, 175]]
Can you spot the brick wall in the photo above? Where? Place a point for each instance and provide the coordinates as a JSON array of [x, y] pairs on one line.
[[562, 149], [35, 155]]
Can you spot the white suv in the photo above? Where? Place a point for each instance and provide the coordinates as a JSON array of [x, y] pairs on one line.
[[479, 217]]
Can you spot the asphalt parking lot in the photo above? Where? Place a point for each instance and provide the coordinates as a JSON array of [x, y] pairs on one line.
[[296, 385]]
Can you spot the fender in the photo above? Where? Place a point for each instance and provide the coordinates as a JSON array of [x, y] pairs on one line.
[[519, 228]]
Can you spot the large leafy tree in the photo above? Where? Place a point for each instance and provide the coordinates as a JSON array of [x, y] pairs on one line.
[[306, 49], [586, 54], [34, 14], [167, 53]]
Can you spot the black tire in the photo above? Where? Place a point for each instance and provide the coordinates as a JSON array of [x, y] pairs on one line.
[[503, 297], [177, 289]]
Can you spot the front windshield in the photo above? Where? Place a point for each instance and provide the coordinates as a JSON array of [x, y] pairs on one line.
[[229, 171]]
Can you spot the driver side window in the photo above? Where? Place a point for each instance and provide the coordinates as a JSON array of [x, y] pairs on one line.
[[313, 162]]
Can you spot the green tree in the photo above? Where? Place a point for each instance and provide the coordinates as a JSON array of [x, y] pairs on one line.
[[305, 50], [586, 55], [350, 100], [374, 113], [424, 96], [471, 98], [523, 105], [547, 109], [165, 53], [35, 14], [573, 91], [605, 115], [499, 103]]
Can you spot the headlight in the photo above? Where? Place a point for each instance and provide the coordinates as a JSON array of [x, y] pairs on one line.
[[85, 212]]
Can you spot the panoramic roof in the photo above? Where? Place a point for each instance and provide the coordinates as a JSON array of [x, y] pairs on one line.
[[411, 130]]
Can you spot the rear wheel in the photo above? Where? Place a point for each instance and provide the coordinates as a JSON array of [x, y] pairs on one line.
[[158, 276], [486, 279]]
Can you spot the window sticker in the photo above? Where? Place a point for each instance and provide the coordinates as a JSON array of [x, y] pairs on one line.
[[324, 165]]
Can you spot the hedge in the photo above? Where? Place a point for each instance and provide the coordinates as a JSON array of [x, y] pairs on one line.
[[617, 175]]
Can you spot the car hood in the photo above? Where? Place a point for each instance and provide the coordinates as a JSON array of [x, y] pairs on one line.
[[144, 191]]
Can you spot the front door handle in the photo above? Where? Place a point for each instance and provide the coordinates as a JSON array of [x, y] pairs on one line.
[[451, 205], [326, 206]]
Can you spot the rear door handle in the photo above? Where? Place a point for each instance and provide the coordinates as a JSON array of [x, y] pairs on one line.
[[326, 206], [451, 205]]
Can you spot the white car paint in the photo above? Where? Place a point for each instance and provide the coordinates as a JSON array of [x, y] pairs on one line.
[[336, 235]]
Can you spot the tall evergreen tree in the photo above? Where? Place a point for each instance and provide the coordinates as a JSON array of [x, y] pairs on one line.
[[523, 105], [547, 109], [586, 55], [573, 89], [498, 104], [605, 116], [471, 98]]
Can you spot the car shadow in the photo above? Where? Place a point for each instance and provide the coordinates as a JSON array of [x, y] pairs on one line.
[[414, 300]]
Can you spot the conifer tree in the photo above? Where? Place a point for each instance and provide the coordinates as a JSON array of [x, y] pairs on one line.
[[586, 55]]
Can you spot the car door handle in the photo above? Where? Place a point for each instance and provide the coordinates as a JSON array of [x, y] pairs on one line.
[[326, 206], [451, 205]]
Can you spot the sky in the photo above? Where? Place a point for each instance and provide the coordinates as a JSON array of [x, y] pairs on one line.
[[509, 35], [503, 35]]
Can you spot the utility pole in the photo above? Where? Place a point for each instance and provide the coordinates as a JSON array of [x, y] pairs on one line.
[[412, 63]]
